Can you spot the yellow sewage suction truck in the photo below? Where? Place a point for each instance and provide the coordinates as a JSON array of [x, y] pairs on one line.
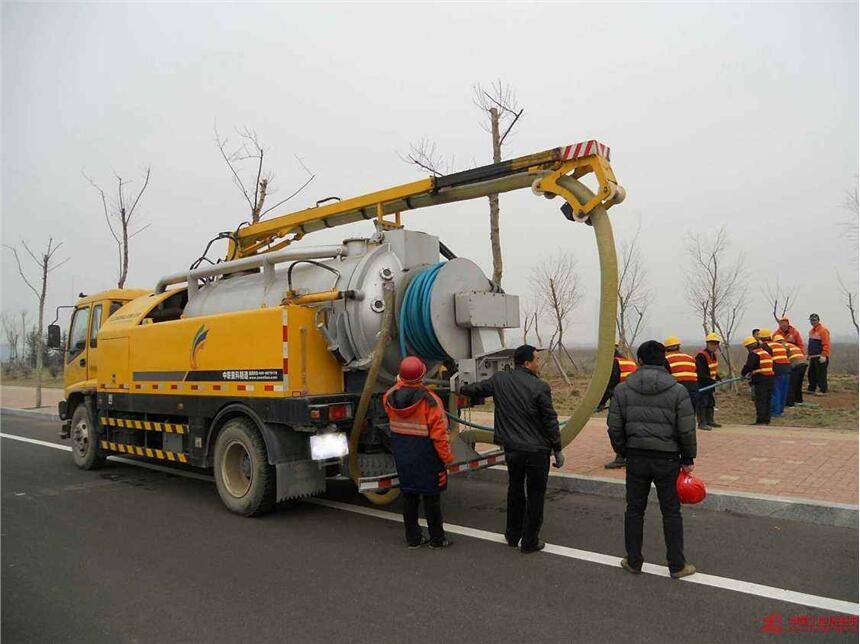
[[268, 367]]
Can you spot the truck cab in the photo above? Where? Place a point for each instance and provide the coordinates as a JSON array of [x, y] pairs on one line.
[[81, 350]]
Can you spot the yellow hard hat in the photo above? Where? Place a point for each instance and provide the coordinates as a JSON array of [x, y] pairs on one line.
[[764, 334], [672, 341], [749, 340], [713, 337]]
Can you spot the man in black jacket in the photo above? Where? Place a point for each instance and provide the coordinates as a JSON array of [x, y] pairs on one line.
[[651, 422], [526, 425]]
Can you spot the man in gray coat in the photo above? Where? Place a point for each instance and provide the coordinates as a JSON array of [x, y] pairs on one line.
[[652, 423]]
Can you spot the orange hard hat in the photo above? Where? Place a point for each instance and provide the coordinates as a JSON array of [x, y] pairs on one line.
[[412, 369]]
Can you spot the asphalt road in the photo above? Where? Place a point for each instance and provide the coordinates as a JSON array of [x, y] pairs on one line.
[[131, 554]]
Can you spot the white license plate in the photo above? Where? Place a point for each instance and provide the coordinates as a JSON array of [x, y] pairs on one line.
[[326, 446]]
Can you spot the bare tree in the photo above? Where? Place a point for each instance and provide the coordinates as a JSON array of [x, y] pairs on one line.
[[633, 294], [46, 264], [716, 287], [532, 312], [850, 301], [119, 216], [779, 298], [498, 104], [11, 334], [425, 156], [555, 282], [250, 153]]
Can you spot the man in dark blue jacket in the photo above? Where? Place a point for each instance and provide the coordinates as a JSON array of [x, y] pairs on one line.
[[419, 438], [525, 423], [651, 421]]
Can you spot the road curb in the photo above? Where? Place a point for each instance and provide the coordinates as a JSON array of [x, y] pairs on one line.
[[29, 413], [777, 507]]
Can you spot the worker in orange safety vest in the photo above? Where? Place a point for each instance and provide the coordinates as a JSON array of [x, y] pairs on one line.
[[706, 375], [682, 366], [419, 440]]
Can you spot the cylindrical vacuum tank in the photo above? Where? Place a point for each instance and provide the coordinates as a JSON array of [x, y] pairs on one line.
[[351, 326]]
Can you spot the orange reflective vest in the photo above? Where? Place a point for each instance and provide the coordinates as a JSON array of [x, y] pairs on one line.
[[712, 361], [780, 355], [795, 354], [627, 367], [765, 363], [682, 366]]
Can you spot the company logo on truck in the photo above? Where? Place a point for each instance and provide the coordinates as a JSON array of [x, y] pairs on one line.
[[197, 344]]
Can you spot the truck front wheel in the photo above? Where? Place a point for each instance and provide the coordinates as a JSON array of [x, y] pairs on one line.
[[85, 449], [243, 476]]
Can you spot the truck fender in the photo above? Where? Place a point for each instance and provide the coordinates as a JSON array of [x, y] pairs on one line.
[[282, 443]]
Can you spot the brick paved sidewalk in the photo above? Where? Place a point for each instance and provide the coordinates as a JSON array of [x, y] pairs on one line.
[[817, 464], [25, 398]]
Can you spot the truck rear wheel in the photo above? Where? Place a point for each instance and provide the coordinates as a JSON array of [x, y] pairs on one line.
[[243, 476], [85, 448]]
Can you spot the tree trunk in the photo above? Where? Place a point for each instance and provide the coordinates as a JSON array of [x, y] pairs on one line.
[[537, 331], [495, 240], [124, 272], [39, 351], [256, 213]]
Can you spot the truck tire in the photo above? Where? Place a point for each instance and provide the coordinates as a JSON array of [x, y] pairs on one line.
[[85, 447], [243, 476]]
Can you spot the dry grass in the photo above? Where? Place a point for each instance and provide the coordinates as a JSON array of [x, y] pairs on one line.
[[48, 382]]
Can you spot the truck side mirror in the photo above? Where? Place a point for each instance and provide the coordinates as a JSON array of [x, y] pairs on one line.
[[54, 336]]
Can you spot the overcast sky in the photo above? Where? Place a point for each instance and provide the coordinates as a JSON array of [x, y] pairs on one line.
[[742, 115]]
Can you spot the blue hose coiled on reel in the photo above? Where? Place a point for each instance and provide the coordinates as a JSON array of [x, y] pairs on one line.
[[416, 328]]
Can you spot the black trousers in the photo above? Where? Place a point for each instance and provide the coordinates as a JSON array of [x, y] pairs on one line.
[[818, 375], [692, 389], [432, 511], [795, 387], [705, 400], [641, 471], [527, 476], [763, 389]]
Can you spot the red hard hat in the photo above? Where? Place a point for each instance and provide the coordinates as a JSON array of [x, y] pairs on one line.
[[690, 488], [412, 369]]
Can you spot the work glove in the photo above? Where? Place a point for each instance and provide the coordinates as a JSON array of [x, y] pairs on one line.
[[558, 459]]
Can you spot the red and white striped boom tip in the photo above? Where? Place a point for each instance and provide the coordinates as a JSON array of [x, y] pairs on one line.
[[585, 149]]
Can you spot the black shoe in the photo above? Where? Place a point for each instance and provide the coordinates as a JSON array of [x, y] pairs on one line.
[[512, 543], [618, 463], [540, 545], [714, 425], [626, 565], [704, 428], [414, 546], [445, 543]]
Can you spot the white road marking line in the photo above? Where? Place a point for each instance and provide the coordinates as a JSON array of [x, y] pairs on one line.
[[703, 579], [118, 459]]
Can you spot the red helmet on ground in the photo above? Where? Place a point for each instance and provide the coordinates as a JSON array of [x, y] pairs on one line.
[[412, 370], [690, 488]]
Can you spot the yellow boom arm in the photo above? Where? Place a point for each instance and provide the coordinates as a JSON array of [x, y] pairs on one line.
[[542, 171]]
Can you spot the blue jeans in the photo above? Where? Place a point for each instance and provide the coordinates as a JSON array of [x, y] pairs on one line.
[[780, 393]]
